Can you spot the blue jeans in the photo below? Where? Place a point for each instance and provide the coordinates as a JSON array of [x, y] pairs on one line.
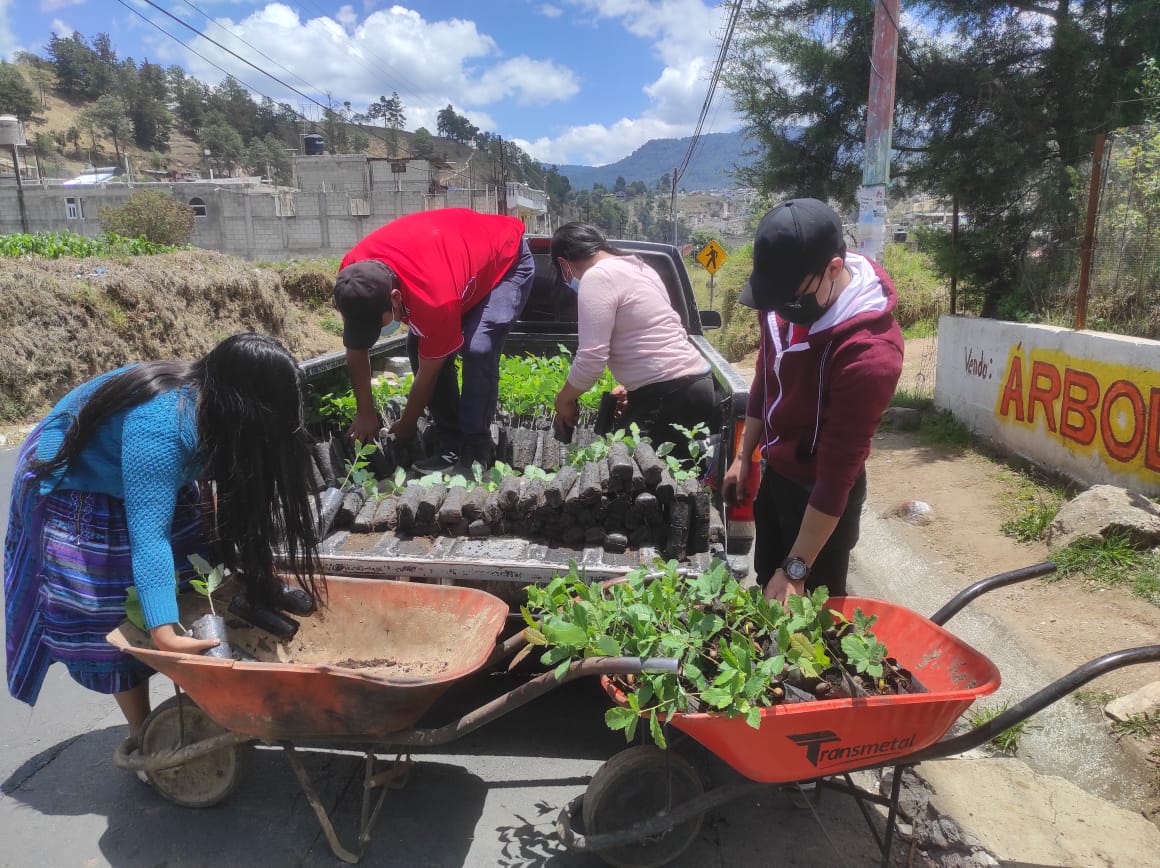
[[463, 421]]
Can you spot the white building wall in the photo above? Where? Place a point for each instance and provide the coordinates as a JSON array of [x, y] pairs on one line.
[[1084, 404]]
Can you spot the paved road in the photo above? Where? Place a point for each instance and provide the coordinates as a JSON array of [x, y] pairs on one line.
[[490, 800]]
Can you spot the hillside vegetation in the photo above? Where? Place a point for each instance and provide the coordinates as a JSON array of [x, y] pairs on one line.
[[65, 320]]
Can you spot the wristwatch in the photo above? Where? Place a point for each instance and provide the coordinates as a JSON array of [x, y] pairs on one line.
[[797, 569]]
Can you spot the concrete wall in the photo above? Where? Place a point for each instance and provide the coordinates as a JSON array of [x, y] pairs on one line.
[[341, 199], [1085, 404]]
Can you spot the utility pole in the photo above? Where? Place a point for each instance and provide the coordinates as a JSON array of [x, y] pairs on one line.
[[879, 121], [501, 193]]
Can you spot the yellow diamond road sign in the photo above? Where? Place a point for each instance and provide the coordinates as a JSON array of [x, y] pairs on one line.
[[712, 256]]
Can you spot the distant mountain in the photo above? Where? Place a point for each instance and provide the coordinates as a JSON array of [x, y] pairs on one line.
[[712, 165]]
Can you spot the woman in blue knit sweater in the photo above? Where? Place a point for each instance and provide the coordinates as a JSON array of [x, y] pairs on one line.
[[106, 496]]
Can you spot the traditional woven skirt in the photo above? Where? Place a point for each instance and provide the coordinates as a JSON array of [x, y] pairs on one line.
[[67, 567]]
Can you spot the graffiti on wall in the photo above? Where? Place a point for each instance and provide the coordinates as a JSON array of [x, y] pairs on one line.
[[1089, 407]]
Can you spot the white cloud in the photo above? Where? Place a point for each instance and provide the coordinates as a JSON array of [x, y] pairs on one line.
[[61, 28], [429, 63], [532, 82], [597, 144], [684, 36], [432, 64], [53, 5], [8, 44]]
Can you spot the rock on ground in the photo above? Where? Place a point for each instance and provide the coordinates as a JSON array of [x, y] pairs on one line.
[[1145, 701], [1104, 509]]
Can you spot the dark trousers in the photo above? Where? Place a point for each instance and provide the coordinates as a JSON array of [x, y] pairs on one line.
[[657, 407], [464, 420], [778, 510]]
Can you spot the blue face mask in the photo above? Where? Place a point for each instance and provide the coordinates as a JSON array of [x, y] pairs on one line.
[[388, 330], [574, 284]]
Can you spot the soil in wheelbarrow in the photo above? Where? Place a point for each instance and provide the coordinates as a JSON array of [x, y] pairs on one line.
[[411, 642], [422, 645]]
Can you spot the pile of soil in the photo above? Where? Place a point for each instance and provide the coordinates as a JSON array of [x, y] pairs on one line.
[[66, 320]]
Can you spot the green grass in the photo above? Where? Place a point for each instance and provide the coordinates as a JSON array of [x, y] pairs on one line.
[[1034, 505], [331, 325], [912, 400], [923, 328], [1138, 726], [1093, 698], [1112, 562], [922, 295], [1008, 740], [943, 429]]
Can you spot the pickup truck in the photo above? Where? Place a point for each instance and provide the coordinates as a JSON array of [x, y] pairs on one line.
[[548, 321]]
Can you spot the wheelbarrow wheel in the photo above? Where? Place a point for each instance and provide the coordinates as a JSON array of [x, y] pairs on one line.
[[632, 786], [199, 783]]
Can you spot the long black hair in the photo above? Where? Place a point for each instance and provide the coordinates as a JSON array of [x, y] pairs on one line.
[[253, 447], [576, 242]]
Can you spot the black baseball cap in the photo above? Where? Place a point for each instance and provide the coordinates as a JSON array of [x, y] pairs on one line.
[[362, 294], [796, 238]]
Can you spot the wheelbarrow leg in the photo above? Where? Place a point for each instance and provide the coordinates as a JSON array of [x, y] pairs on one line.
[[319, 811], [392, 777], [892, 814]]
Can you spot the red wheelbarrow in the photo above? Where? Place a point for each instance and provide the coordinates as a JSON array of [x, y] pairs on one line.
[[644, 806], [364, 670]]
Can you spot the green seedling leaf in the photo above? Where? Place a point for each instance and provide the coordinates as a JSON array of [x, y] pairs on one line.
[[618, 718], [656, 731], [718, 697], [133, 609], [560, 632]]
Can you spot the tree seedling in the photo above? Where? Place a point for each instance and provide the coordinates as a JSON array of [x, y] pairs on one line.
[[737, 649], [357, 474], [210, 580]]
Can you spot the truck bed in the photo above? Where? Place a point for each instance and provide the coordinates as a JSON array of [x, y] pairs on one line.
[[510, 560]]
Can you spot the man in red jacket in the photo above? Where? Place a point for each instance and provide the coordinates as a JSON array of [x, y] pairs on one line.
[[829, 360], [458, 279]]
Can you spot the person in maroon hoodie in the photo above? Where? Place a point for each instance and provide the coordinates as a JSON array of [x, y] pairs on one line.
[[829, 360]]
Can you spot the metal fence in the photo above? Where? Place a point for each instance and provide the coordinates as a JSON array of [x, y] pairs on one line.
[[1121, 287]]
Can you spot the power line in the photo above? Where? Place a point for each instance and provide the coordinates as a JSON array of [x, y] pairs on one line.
[[230, 52], [209, 39], [714, 78], [222, 27], [197, 53]]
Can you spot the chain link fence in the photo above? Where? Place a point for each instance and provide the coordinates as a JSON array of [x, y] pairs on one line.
[[1123, 290]]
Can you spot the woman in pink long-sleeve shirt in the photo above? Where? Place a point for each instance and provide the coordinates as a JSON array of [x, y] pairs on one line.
[[626, 322]]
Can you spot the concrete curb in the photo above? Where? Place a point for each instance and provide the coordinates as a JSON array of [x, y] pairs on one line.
[[1024, 810]]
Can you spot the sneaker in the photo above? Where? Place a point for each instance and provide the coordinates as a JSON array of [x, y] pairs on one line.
[[436, 463]]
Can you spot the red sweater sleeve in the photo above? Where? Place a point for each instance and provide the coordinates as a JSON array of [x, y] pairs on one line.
[[863, 376]]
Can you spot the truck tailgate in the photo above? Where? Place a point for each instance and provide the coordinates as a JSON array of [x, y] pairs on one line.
[[500, 559]]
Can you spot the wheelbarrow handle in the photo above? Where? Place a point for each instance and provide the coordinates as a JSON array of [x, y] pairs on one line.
[[1038, 701], [969, 593]]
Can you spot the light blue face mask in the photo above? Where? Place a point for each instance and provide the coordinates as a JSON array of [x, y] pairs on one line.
[[388, 330], [574, 284]]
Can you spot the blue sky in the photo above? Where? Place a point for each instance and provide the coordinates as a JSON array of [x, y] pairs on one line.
[[571, 81]]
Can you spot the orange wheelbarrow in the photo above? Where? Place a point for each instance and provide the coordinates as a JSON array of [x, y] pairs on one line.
[[362, 671], [644, 807]]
